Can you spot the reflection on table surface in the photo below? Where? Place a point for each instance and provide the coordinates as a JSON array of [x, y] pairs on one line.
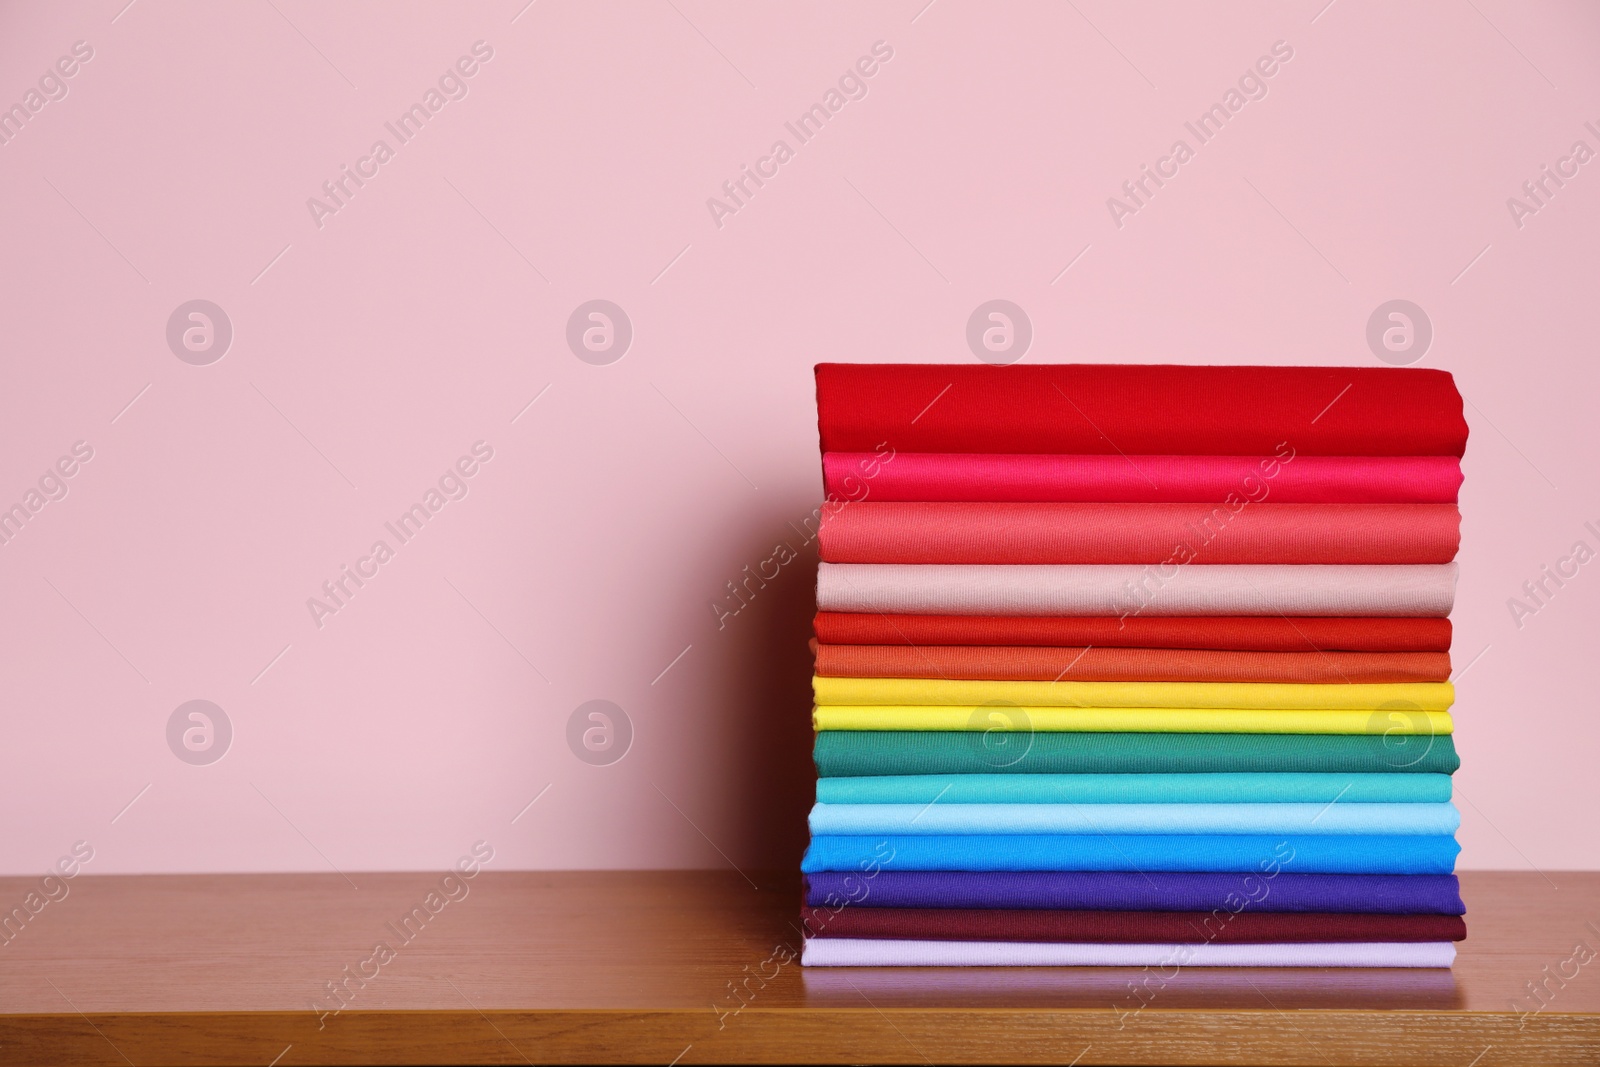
[[1125, 989]]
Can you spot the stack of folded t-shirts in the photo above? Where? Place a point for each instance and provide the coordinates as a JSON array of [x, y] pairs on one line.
[[1135, 665]]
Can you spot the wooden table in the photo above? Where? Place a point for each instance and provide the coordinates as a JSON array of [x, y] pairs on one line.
[[640, 967]]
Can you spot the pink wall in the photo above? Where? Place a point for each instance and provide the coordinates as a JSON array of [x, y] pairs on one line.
[[371, 351]]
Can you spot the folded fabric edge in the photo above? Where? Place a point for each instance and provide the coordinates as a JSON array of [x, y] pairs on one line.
[[1025, 720], [876, 952], [1396, 697]]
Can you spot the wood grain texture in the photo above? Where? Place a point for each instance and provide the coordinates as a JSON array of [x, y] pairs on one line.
[[641, 967]]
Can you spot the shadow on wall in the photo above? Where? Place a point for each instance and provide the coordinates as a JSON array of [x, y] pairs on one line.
[[766, 709]]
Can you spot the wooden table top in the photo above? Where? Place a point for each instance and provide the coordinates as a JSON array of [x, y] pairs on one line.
[[641, 967]]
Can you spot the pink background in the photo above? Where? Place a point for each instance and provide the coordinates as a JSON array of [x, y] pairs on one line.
[[370, 353]]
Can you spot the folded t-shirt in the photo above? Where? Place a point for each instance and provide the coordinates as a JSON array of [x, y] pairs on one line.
[[1159, 409], [939, 532], [855, 476], [841, 753], [884, 952], [1331, 818], [999, 717], [1121, 927], [1124, 590], [1267, 633], [1138, 891], [1420, 696], [1279, 788], [1313, 854], [1090, 664]]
